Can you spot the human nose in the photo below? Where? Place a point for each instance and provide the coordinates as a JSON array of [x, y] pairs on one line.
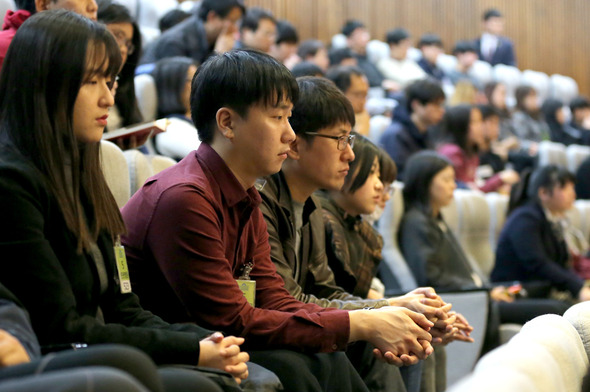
[[92, 9], [107, 98], [288, 134], [347, 154]]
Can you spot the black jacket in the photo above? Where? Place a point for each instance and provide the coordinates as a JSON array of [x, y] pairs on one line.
[[528, 250], [60, 287]]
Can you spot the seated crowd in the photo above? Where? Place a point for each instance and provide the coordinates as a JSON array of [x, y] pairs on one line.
[[254, 262]]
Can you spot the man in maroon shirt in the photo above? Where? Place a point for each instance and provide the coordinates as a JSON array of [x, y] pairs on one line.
[[196, 227]]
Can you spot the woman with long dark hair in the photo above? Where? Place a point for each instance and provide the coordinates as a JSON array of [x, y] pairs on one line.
[[527, 121], [119, 22], [462, 137], [60, 228]]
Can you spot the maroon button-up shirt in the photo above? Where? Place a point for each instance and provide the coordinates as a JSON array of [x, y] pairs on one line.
[[191, 229]]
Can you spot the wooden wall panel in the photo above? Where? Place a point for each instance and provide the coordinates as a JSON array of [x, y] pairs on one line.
[[549, 35]]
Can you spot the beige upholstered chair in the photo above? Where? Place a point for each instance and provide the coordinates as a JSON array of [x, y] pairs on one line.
[[114, 167]]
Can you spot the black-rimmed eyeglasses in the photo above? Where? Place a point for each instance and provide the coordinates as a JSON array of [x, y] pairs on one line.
[[343, 141]]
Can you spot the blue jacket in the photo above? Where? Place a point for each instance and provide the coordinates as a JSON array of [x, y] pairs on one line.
[[528, 250], [504, 53]]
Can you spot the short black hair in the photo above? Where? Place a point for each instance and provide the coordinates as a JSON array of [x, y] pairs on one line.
[[309, 48], [306, 68], [430, 39], [286, 32], [395, 36], [491, 13], [321, 104], [579, 102], [424, 91], [342, 75], [238, 79], [487, 111], [464, 47], [28, 5], [253, 16], [420, 169], [221, 8], [350, 26], [337, 55], [172, 18], [387, 167]]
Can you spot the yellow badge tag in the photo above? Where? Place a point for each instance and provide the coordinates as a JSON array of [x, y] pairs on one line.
[[122, 267], [248, 288]]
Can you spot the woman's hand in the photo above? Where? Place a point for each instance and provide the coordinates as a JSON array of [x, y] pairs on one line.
[[224, 353]]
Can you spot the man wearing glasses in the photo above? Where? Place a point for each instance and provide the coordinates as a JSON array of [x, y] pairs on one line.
[[319, 158]]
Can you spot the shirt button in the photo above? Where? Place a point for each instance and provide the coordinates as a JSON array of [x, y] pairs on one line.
[[334, 347]]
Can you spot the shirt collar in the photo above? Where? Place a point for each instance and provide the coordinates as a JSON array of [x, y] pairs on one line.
[[230, 187]]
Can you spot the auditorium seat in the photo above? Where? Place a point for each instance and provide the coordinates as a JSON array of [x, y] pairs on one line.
[[114, 168], [552, 153], [446, 62], [6, 5], [377, 50], [539, 81], [147, 96], [578, 315], [139, 169], [575, 155], [562, 87], [498, 205], [482, 72]]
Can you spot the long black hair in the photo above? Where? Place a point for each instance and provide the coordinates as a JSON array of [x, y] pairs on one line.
[[109, 13], [365, 153], [455, 127], [170, 76], [420, 169], [37, 109]]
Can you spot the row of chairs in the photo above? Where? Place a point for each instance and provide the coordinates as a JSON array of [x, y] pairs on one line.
[[555, 86], [550, 353], [570, 157], [476, 220], [126, 171]]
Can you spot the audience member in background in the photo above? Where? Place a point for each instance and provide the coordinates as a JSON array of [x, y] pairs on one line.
[[173, 78], [519, 157], [465, 93], [357, 38], [583, 180], [322, 120], [580, 109], [461, 139], [492, 46], [492, 155], [210, 30], [353, 83], [559, 130], [466, 54], [532, 246], [435, 256], [13, 20], [306, 68], [398, 67], [342, 56], [353, 246], [172, 18], [315, 51], [431, 47], [285, 47], [67, 277], [205, 230], [527, 121], [258, 30], [421, 109], [118, 21]]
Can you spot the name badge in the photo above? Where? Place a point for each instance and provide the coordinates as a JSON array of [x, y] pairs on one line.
[[248, 288], [121, 261]]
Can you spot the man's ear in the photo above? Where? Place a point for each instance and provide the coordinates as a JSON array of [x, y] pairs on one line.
[[225, 119], [41, 5]]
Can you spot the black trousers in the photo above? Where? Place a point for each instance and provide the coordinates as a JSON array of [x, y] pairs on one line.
[[104, 367], [311, 372]]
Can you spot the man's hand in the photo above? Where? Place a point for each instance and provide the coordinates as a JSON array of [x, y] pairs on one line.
[[224, 353], [399, 335], [11, 351], [226, 39], [423, 300]]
